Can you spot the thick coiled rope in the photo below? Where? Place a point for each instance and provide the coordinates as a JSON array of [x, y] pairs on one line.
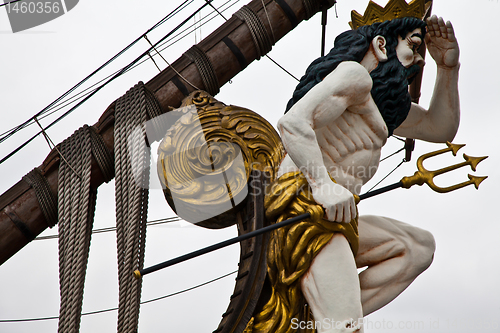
[[76, 211], [76, 204], [131, 195], [43, 193], [205, 68], [262, 40], [105, 159], [46, 199], [312, 7]]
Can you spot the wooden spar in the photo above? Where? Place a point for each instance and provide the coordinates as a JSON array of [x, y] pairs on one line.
[[21, 218]]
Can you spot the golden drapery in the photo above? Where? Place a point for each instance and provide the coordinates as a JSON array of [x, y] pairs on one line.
[[292, 250]]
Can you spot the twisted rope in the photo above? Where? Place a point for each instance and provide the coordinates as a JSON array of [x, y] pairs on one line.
[[46, 199], [131, 195], [205, 68], [77, 201], [312, 7], [105, 159], [261, 38], [76, 208]]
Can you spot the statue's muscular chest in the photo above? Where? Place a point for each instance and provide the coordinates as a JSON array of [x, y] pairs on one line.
[[351, 144]]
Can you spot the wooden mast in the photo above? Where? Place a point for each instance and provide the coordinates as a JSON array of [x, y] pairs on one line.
[[21, 218]]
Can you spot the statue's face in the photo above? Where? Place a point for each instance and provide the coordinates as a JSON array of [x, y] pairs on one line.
[[407, 49]]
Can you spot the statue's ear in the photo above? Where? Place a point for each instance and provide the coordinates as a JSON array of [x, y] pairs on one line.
[[380, 51]]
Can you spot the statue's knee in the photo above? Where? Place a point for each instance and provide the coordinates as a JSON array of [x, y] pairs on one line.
[[422, 251], [427, 248]]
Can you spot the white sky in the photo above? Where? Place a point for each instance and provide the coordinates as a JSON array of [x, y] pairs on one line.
[[458, 293]]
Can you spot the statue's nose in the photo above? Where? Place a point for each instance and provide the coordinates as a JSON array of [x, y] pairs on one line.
[[418, 60]]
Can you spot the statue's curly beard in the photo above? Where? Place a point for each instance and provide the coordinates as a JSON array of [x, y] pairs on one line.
[[390, 90]]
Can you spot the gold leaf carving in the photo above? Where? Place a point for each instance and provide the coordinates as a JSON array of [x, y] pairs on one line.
[[393, 9], [205, 159]]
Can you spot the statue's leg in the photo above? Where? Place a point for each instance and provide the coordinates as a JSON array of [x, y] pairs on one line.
[[395, 253], [331, 288]]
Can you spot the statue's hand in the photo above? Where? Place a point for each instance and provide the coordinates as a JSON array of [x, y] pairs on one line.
[[337, 201], [441, 42]]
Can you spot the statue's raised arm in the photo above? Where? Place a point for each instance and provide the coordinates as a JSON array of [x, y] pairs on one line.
[[440, 122]]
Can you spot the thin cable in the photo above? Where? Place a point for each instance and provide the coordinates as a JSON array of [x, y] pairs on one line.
[[282, 68], [176, 72], [269, 56], [109, 229], [145, 60], [194, 25], [400, 139], [115, 75], [189, 289], [400, 150], [387, 175], [114, 309], [27, 122], [49, 142], [269, 21], [154, 62], [171, 14], [209, 2], [123, 70], [8, 3], [74, 98]]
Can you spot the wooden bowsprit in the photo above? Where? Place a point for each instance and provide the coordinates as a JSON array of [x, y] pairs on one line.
[[422, 176]]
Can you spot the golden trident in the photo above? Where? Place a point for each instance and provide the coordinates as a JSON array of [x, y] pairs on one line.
[[424, 176]]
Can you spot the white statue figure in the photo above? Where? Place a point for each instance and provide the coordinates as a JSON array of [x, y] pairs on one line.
[[339, 118]]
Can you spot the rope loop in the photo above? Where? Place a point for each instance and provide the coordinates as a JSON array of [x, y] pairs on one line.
[[205, 68], [46, 199], [76, 208], [131, 196], [311, 7], [105, 159], [262, 40]]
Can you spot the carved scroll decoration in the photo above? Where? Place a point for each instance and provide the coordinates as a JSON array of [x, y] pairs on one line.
[[205, 159]]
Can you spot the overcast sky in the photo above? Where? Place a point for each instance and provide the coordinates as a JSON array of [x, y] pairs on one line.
[[458, 293]]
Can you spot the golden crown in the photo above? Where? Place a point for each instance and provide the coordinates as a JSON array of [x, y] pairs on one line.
[[393, 9]]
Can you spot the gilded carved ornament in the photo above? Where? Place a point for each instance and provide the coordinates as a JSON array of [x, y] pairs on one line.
[[205, 158], [394, 9]]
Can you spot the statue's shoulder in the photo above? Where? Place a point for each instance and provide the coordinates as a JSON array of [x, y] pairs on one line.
[[350, 79]]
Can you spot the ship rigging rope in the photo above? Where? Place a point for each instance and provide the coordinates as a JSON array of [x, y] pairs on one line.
[[273, 42], [312, 7], [110, 229], [30, 121], [261, 38], [173, 40], [76, 206], [131, 195], [44, 195], [120, 72], [114, 309], [205, 68]]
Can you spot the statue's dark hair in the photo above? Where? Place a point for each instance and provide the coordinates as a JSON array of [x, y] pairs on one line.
[[352, 45]]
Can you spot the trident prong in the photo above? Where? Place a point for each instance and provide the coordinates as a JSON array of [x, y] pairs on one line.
[[424, 176]]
